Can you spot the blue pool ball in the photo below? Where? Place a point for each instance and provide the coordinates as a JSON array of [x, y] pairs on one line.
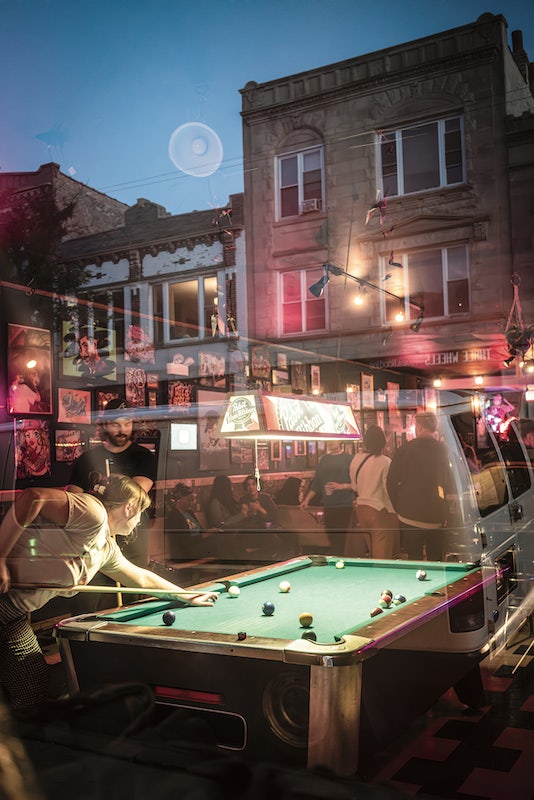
[[268, 608], [234, 591], [420, 575], [169, 617], [398, 599]]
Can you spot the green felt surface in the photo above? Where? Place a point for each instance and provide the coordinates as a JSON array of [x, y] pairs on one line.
[[340, 600]]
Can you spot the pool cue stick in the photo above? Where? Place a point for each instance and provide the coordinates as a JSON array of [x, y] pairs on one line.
[[117, 583], [110, 590]]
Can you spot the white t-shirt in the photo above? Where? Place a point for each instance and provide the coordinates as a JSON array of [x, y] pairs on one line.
[[48, 554], [371, 487]]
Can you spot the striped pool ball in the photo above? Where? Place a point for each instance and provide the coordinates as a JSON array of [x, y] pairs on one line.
[[398, 599], [420, 575]]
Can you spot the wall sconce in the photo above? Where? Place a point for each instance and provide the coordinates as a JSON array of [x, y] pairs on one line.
[[436, 383]]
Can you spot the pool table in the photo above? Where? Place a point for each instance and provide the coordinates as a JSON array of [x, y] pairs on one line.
[[267, 691]]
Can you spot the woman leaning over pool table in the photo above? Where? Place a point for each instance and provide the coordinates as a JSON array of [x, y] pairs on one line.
[[59, 538]]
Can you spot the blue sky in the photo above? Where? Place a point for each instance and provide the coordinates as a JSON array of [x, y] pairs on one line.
[[99, 86]]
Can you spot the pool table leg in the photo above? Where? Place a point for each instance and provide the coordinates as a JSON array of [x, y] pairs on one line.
[[334, 720]]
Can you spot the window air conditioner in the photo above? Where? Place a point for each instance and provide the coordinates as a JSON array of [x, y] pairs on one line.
[[310, 205]]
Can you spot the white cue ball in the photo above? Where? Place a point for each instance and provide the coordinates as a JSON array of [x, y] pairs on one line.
[[285, 586], [234, 591], [340, 564]]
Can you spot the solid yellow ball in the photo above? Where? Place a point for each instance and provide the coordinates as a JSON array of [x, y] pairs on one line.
[[305, 619]]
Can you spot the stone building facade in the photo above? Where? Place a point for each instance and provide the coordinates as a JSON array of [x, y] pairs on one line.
[[411, 169]]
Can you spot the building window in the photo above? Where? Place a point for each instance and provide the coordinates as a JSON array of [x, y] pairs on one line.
[[438, 279], [300, 182], [422, 157], [194, 308], [301, 311]]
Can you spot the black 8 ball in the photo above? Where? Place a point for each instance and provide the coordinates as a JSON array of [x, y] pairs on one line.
[[169, 617]]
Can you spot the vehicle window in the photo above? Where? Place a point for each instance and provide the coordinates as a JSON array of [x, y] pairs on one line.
[[516, 463], [485, 466]]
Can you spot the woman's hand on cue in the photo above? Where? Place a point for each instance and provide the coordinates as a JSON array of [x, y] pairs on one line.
[[207, 599]]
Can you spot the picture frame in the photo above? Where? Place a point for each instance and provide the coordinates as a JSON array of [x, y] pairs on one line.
[[135, 386], [212, 369], [214, 450], [181, 395], [32, 449], [299, 447], [29, 370], [276, 450], [89, 352], [103, 398], [367, 391], [393, 392], [299, 378], [68, 445], [315, 379], [260, 362], [74, 406], [280, 377]]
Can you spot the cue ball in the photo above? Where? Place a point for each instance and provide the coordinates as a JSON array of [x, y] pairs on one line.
[[420, 575], [310, 635], [268, 608], [234, 591], [306, 619], [284, 587], [340, 564], [169, 617]]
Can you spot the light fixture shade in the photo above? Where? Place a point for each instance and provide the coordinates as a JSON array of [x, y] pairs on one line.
[[317, 288]]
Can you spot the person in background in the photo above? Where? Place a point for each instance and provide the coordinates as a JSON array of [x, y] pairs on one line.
[[526, 428], [418, 481], [181, 515], [261, 509], [223, 510], [289, 493], [119, 453], [498, 411], [376, 516], [332, 484], [77, 541]]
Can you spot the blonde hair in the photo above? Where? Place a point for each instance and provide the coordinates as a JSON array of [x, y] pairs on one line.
[[119, 489]]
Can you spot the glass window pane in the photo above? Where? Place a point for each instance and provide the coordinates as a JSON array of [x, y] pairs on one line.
[[458, 296], [213, 324], [426, 281], [456, 262], [183, 310], [315, 314], [288, 172], [388, 151], [290, 287], [289, 202], [157, 306], [421, 158], [292, 318]]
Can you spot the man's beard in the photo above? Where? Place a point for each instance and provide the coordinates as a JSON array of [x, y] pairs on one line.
[[118, 440]]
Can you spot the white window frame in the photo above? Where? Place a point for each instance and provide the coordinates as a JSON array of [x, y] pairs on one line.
[[441, 155], [412, 312], [299, 154], [305, 282], [165, 285]]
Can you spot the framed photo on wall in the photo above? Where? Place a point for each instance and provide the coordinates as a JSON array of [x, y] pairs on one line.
[[69, 445], [74, 406], [276, 450], [368, 400], [214, 450], [29, 370], [32, 449], [88, 352]]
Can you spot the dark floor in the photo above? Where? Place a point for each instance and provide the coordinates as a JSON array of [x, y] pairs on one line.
[[449, 753]]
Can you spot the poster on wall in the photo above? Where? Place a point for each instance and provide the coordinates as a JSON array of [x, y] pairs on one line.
[[74, 405], [32, 449], [214, 451], [395, 418], [368, 400], [260, 364], [181, 395], [29, 371], [88, 352], [69, 445], [212, 369], [135, 389]]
